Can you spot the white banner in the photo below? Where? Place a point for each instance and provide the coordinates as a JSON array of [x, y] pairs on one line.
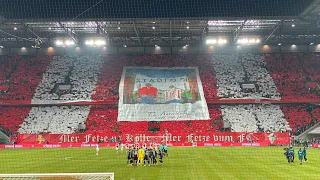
[[161, 94]]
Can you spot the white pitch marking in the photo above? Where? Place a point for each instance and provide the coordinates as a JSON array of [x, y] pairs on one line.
[[67, 158]]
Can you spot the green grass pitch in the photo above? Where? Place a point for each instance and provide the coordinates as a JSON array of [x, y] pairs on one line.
[[183, 163]]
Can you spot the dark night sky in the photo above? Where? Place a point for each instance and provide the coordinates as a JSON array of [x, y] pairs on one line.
[[68, 9]]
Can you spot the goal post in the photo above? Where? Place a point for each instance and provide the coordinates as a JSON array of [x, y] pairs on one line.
[[59, 176]]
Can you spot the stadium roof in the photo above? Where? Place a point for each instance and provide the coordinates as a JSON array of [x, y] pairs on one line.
[[62, 9], [286, 21]]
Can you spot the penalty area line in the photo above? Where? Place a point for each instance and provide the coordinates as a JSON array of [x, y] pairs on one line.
[[67, 158]]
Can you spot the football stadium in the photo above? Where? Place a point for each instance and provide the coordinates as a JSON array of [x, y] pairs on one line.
[[159, 90]]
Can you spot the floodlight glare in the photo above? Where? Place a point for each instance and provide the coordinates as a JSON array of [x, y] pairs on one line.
[[222, 41], [211, 41], [99, 42], [59, 42], [252, 41], [90, 42], [69, 43]]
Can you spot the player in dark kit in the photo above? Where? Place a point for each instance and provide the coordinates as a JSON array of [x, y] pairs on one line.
[[291, 154], [154, 157], [146, 157], [130, 156], [161, 156], [135, 155], [300, 155], [305, 153], [150, 155], [286, 153]]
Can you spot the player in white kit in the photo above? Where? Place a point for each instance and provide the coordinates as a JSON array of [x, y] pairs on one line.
[[122, 147], [97, 149], [117, 148]]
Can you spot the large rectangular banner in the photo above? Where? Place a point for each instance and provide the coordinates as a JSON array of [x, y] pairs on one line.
[[160, 94], [177, 138]]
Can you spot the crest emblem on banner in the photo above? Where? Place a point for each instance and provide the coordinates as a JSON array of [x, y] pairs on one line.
[[272, 138], [40, 139]]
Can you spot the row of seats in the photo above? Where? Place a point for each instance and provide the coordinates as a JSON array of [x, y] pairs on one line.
[[79, 72], [293, 72], [255, 118], [25, 78], [54, 119], [232, 71]]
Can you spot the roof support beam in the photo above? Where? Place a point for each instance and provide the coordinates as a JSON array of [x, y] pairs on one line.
[[274, 29], [310, 8], [101, 29], [69, 32], [28, 28], [137, 33], [171, 33], [238, 31]]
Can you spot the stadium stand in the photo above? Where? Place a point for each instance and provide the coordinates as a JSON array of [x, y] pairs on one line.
[[97, 78], [81, 74], [22, 77], [233, 71], [292, 73]]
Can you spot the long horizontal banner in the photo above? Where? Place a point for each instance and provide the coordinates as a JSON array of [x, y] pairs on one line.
[[210, 138], [159, 94], [316, 145], [75, 145]]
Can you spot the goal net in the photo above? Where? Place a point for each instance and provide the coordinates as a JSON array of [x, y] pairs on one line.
[[59, 176]]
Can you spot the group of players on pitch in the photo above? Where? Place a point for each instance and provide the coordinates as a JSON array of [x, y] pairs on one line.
[[141, 155], [302, 154]]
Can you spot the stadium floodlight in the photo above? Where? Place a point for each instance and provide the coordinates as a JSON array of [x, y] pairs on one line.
[[293, 25], [156, 46], [69, 43], [222, 41], [279, 44], [49, 28], [188, 27], [153, 27], [245, 41], [258, 40], [15, 28], [59, 43], [90, 42], [252, 41], [211, 41], [124, 45], [119, 27], [99, 42]]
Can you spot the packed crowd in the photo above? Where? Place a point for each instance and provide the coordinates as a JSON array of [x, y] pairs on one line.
[[285, 76]]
